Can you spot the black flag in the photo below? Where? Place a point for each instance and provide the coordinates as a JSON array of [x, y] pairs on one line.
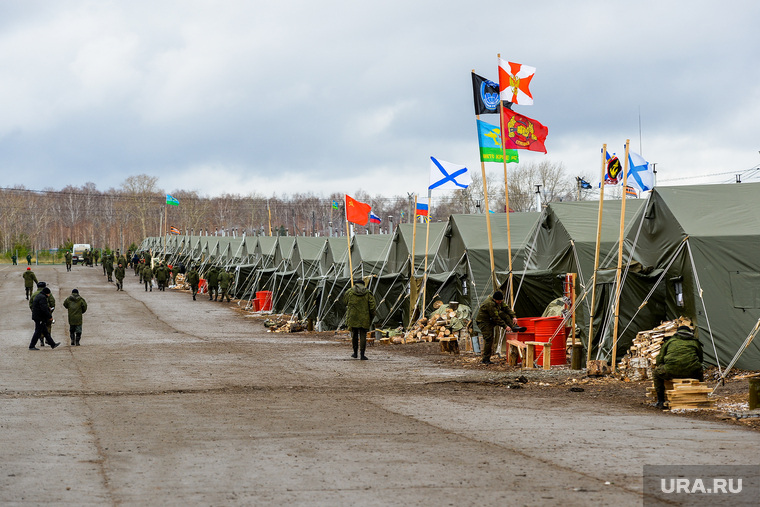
[[486, 95]]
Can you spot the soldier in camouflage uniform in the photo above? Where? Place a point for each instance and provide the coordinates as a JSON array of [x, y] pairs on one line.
[[360, 313], [68, 258], [680, 357], [29, 280], [120, 276], [225, 280], [494, 312], [212, 278], [193, 279], [147, 277]]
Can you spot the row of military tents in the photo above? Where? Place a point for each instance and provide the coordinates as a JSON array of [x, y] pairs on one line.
[[688, 251]]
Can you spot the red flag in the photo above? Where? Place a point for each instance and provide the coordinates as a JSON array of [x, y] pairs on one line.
[[523, 133], [357, 212]]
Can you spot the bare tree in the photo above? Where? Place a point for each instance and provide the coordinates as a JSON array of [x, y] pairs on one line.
[[144, 200]]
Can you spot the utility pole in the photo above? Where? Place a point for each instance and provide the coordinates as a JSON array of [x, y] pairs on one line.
[[538, 197]]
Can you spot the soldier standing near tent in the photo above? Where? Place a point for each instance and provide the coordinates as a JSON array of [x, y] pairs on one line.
[[76, 305], [68, 258], [120, 277], [212, 278], [679, 357], [29, 280], [494, 312], [360, 313], [225, 280]]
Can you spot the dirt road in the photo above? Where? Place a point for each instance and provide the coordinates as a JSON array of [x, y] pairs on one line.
[[170, 401]]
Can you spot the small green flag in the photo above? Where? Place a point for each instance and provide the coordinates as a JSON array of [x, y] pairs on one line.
[[171, 200]]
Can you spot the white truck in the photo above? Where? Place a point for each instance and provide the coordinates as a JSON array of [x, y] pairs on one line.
[[77, 253]]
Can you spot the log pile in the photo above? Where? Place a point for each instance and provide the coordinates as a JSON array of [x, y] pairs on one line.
[[684, 393], [285, 324], [637, 364], [180, 283], [433, 329]]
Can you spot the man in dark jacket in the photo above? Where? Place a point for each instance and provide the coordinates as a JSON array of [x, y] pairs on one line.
[[162, 274], [679, 357], [76, 305], [494, 312], [41, 315], [360, 313]]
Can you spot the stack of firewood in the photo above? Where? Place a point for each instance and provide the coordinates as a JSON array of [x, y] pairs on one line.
[[684, 394], [637, 364], [432, 329], [180, 283], [285, 324]]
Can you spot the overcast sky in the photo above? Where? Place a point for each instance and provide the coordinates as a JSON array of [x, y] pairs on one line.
[[334, 96]]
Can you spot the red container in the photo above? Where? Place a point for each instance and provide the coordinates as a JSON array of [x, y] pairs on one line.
[[202, 286], [545, 329], [255, 305]]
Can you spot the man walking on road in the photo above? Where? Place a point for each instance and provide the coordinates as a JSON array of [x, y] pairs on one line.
[[120, 277], [193, 279], [225, 279], [147, 277], [68, 258], [76, 305], [42, 316], [360, 313], [29, 280]]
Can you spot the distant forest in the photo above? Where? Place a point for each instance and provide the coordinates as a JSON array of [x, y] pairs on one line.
[[32, 220]]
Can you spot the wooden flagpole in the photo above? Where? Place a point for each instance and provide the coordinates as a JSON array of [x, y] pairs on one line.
[[506, 197], [269, 212], [348, 240], [618, 272], [494, 282], [427, 240], [596, 256], [413, 301], [165, 227]]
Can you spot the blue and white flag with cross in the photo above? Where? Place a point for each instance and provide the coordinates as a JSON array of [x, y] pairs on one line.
[[445, 175]]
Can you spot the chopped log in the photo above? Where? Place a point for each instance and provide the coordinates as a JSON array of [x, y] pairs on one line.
[[598, 368], [450, 345]]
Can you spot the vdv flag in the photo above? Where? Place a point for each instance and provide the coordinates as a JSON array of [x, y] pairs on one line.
[[640, 173], [445, 175], [171, 200], [489, 139]]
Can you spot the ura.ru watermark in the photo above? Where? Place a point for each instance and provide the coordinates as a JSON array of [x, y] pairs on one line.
[[702, 484]]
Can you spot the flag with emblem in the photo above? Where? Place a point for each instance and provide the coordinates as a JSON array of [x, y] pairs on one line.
[[486, 95], [171, 200], [514, 82], [523, 133], [614, 169], [357, 212]]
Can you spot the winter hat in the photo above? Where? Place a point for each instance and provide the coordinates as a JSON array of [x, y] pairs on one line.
[[46, 290], [74, 291], [28, 269], [498, 296], [41, 285]]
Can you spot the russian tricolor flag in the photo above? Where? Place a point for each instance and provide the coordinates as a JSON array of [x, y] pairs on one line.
[[374, 219], [422, 207]]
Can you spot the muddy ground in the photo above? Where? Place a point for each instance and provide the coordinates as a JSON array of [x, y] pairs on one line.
[[179, 402]]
